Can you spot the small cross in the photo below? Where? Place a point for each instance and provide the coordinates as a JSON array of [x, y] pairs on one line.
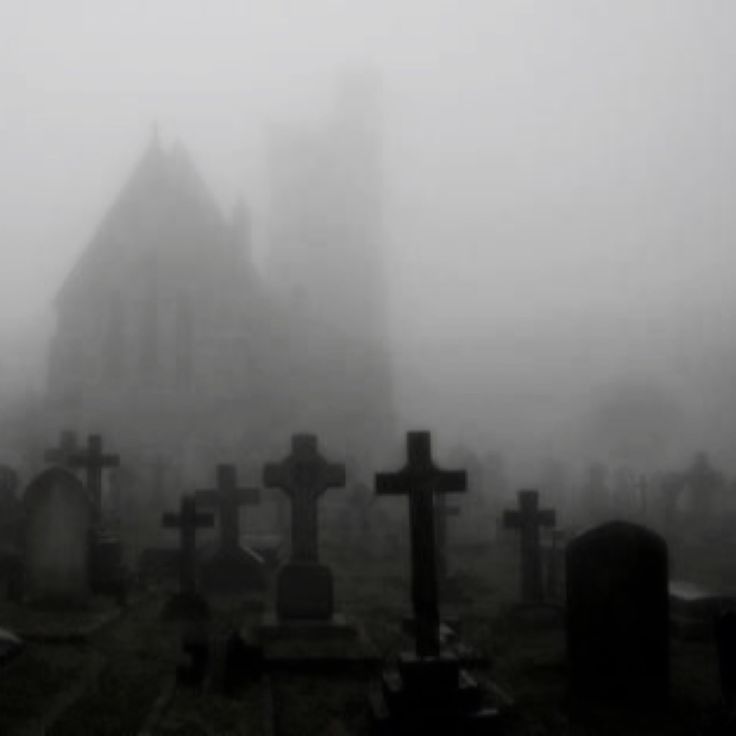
[[188, 520], [528, 520], [304, 475], [94, 461], [68, 445], [421, 479], [228, 498]]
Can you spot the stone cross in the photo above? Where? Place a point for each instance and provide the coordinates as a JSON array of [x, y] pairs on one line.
[[304, 475], [68, 446], [228, 498], [528, 520], [188, 520], [442, 513], [421, 479], [94, 461]]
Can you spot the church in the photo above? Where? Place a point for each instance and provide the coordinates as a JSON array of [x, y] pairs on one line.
[[171, 343]]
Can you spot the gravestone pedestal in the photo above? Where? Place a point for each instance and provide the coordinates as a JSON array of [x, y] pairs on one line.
[[305, 591], [435, 695]]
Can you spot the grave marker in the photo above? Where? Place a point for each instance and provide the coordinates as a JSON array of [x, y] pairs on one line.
[[528, 520], [421, 479], [187, 521], [228, 499], [618, 615], [305, 588], [427, 691], [93, 460], [232, 569], [59, 516]]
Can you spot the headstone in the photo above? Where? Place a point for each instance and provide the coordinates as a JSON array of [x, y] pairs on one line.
[[58, 518], [232, 568], [187, 604], [618, 615], [93, 460], [528, 520], [304, 586], [428, 691]]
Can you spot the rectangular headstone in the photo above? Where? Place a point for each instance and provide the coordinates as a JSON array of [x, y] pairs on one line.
[[618, 615]]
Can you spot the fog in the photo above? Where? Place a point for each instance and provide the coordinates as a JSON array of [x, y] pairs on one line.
[[558, 179]]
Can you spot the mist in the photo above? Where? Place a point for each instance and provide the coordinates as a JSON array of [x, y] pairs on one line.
[[557, 187]]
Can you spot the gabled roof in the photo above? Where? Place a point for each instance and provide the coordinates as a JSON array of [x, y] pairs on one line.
[[163, 211]]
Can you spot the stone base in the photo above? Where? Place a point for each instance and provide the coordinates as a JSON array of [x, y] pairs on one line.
[[304, 590], [436, 696], [315, 646], [274, 628], [186, 607], [233, 573]]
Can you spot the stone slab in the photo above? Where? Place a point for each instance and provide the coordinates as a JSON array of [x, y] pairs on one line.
[[305, 590]]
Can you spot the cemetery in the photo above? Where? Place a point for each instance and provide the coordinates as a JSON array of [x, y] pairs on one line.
[[367, 368], [334, 641]]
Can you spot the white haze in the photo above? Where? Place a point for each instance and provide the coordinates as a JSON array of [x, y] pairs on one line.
[[559, 182]]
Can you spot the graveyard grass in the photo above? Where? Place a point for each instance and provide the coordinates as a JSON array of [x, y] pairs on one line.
[[137, 654]]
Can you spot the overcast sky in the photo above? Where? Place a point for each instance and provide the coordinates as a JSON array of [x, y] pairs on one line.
[[560, 175]]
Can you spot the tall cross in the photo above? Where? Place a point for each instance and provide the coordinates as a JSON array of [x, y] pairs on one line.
[[228, 498], [94, 461], [421, 479], [188, 520], [442, 513], [304, 475], [68, 445], [528, 520]]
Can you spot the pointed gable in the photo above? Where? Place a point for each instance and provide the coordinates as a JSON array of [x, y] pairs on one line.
[[163, 213]]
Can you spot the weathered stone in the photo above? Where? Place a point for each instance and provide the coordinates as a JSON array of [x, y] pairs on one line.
[[187, 604], [420, 479], [231, 569], [618, 615], [93, 460], [528, 520], [59, 516], [304, 588]]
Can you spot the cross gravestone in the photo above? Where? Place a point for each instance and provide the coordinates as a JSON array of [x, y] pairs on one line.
[[528, 520], [421, 479], [93, 460], [232, 569], [618, 615], [427, 691], [305, 588], [59, 515], [187, 521], [68, 446]]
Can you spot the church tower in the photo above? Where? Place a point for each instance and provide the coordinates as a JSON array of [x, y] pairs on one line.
[[326, 223]]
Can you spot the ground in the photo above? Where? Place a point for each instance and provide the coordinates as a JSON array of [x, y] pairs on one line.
[[120, 679]]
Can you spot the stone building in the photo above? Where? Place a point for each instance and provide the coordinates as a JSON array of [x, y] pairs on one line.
[[170, 342]]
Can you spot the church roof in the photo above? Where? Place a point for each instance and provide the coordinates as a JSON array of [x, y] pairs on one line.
[[163, 212]]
